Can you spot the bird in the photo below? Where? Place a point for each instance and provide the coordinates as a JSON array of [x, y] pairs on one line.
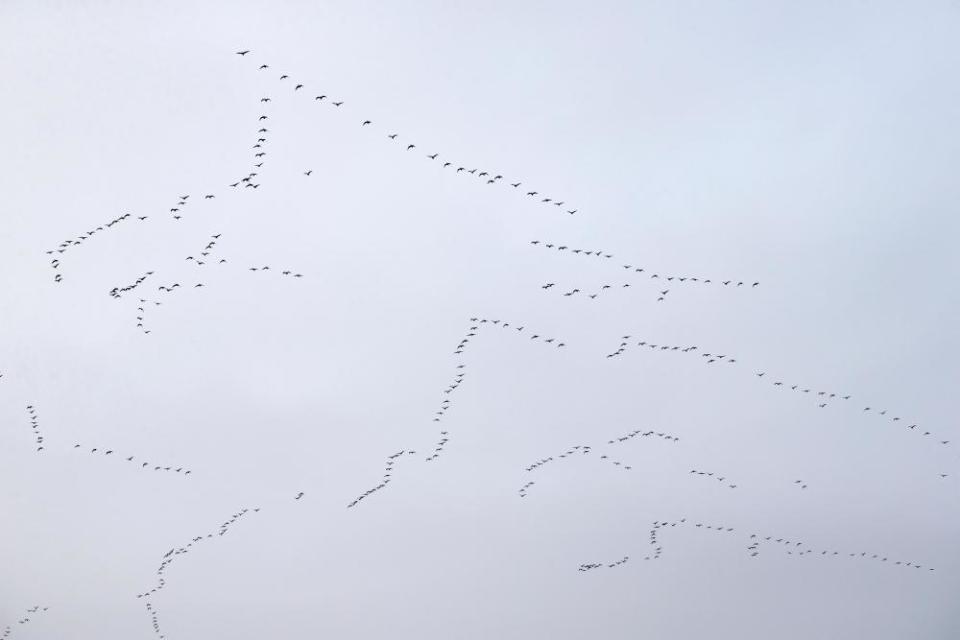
[[337, 104], [365, 123], [392, 136], [410, 146], [308, 172], [243, 53], [299, 86]]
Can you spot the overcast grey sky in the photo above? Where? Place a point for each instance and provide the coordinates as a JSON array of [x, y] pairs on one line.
[[811, 147]]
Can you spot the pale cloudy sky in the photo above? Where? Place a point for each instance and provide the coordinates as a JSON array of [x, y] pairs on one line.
[[810, 147]]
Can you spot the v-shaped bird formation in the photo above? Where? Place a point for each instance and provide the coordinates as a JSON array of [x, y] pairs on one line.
[[449, 165]]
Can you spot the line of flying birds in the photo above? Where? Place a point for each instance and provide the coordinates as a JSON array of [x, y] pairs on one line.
[[487, 177]]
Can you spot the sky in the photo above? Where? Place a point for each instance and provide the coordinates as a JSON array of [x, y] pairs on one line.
[[535, 490]]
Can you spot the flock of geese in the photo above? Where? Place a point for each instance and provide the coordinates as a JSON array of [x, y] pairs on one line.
[[204, 258], [72, 243], [8, 630], [822, 397], [633, 269], [117, 292], [717, 477], [177, 552], [209, 256], [756, 541], [483, 176], [141, 312], [477, 324], [135, 462], [35, 427], [586, 450], [472, 332], [384, 480], [793, 548], [104, 451]]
